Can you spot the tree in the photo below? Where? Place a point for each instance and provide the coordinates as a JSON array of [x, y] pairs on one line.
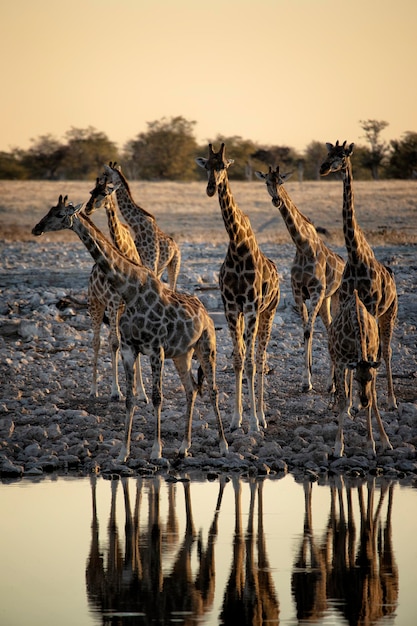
[[284, 156], [403, 160], [11, 167], [236, 148], [44, 158], [86, 152], [315, 153], [165, 152], [378, 149]]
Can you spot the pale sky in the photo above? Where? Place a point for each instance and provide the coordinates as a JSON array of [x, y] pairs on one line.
[[278, 72]]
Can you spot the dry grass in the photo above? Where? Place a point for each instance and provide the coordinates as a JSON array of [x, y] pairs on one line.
[[386, 210]]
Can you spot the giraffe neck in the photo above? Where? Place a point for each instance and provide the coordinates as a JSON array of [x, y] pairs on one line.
[[359, 323], [116, 230], [301, 229], [134, 215], [237, 224], [120, 272], [120, 234], [357, 247]]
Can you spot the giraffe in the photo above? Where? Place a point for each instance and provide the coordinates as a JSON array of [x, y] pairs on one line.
[[374, 281], [249, 286], [316, 271], [153, 574], [156, 321], [102, 296], [157, 250], [308, 579], [354, 345], [362, 576], [250, 596]]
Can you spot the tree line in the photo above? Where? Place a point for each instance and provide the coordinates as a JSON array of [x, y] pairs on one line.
[[166, 152]]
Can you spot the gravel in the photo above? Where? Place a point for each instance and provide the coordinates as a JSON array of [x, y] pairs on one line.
[[48, 422]]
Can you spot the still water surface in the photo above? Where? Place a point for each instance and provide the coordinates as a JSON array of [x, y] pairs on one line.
[[80, 551]]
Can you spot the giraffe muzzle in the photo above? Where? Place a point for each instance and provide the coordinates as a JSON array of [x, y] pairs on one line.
[[37, 230]]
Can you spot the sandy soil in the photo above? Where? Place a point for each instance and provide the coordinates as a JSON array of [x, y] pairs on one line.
[[386, 210]]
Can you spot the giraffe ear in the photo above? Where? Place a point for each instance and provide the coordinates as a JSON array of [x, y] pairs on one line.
[[285, 176], [77, 208], [349, 150], [115, 187], [329, 146], [201, 161], [260, 175]]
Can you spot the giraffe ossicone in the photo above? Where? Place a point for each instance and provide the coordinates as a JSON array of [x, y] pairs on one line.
[[156, 321], [249, 287]]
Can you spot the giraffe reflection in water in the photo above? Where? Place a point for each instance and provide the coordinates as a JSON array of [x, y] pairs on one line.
[[155, 577], [355, 573], [249, 597], [136, 582], [166, 571]]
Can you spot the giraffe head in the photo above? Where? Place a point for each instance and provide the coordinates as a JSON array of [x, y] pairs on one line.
[[99, 194], [336, 159], [216, 166], [113, 172], [364, 366], [364, 376], [59, 217], [273, 180]]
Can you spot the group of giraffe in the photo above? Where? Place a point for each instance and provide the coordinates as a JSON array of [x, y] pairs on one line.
[[356, 299], [361, 293]]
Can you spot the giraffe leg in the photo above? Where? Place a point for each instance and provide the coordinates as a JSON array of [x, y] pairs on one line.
[[370, 440], [96, 310], [157, 365], [139, 386], [316, 305], [206, 354], [236, 331], [302, 309], [139, 389], [326, 318], [385, 442], [128, 362], [251, 328], [266, 320], [386, 325], [343, 402], [114, 312], [183, 366]]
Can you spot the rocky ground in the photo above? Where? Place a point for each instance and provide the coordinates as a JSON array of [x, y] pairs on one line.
[[48, 422]]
